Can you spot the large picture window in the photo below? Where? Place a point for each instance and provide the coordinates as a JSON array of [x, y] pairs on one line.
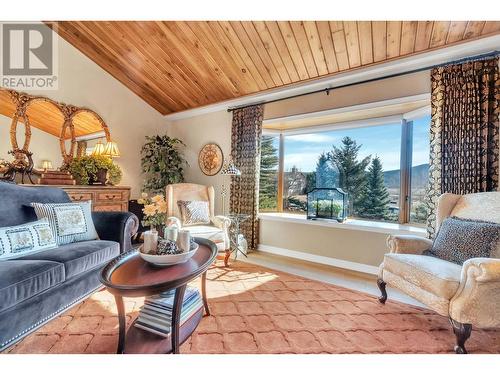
[[365, 160], [420, 169], [268, 184]]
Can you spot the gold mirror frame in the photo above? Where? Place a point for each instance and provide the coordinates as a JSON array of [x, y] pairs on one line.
[[22, 101]]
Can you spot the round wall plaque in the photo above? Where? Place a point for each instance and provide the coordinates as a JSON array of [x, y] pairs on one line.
[[210, 159]]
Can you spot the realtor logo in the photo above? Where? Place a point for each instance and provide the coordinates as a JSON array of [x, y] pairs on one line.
[[28, 56]]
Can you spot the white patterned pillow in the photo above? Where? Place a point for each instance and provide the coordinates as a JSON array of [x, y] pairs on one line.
[[26, 239], [194, 212], [70, 222]]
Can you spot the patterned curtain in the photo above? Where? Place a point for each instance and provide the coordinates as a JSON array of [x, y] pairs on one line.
[[464, 131], [245, 152]]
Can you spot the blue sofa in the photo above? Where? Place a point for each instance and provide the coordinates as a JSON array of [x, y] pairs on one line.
[[37, 288]]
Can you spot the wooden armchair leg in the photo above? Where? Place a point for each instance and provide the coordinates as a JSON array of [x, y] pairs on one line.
[[381, 285], [226, 257], [462, 332]]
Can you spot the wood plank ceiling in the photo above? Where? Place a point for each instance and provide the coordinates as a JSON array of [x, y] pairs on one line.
[[176, 66]]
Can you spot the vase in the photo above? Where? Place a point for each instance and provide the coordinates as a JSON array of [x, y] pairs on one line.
[[160, 229], [102, 176]]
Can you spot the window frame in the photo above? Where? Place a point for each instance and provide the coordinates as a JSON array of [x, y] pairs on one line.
[[405, 120]]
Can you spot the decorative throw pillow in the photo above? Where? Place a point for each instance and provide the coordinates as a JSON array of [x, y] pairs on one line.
[[460, 239], [194, 212], [70, 222], [26, 239]]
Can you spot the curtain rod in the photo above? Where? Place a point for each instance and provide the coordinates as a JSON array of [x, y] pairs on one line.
[[328, 89]]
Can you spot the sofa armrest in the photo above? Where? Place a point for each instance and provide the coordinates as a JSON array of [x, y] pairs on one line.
[[221, 222], [408, 244], [476, 301], [172, 220], [116, 226]]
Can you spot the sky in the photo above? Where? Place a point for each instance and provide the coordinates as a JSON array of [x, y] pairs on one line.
[[384, 141]]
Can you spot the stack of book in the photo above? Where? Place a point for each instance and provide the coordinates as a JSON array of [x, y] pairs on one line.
[[156, 314], [56, 178]]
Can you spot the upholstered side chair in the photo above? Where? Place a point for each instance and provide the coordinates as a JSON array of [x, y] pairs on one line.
[[218, 228], [468, 294]]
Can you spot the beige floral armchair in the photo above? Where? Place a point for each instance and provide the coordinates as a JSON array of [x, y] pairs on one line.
[[218, 229], [469, 295]]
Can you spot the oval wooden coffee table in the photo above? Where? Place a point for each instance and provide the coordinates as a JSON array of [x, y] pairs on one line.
[[130, 276]]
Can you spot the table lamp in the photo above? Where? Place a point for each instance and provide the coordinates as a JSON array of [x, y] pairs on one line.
[[98, 149], [228, 169], [46, 165], [111, 150]]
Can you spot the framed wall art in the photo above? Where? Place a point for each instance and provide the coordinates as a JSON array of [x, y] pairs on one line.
[[210, 159]]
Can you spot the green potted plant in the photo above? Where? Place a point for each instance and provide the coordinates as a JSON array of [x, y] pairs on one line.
[[92, 169], [162, 162]]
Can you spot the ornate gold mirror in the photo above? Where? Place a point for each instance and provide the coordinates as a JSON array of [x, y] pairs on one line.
[[66, 122], [41, 113]]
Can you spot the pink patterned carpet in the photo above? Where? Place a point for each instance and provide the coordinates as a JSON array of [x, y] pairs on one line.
[[258, 310]]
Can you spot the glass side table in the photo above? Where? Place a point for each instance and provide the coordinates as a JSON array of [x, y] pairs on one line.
[[234, 233]]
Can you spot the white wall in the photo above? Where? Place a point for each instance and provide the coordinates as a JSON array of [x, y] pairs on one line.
[[83, 83], [195, 132]]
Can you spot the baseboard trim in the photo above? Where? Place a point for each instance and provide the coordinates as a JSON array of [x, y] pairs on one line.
[[335, 262]]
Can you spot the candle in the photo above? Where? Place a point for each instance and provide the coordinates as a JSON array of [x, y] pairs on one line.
[[150, 242], [171, 233], [184, 240]]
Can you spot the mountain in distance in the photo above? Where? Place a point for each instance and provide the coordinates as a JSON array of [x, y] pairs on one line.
[[419, 177]]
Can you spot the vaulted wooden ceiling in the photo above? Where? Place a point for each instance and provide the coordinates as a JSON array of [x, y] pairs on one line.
[[176, 66]]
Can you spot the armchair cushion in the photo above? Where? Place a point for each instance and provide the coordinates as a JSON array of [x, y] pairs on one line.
[[433, 275], [217, 233], [209, 232], [461, 239]]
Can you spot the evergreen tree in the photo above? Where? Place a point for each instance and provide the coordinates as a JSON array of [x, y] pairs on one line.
[[268, 190], [373, 203], [326, 175], [310, 181], [352, 174]]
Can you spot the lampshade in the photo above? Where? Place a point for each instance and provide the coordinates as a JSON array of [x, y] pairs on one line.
[[229, 169], [111, 150], [98, 149], [47, 164]]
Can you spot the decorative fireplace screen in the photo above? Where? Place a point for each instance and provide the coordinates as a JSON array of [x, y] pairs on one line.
[[327, 203]]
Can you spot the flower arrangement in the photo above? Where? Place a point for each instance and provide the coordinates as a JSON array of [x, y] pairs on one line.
[[155, 210]]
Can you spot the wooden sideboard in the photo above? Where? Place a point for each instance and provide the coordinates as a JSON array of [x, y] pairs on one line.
[[104, 198]]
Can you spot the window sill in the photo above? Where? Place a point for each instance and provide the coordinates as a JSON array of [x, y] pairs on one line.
[[351, 224]]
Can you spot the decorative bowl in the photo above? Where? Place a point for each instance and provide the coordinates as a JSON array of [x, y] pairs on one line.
[[169, 259]]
